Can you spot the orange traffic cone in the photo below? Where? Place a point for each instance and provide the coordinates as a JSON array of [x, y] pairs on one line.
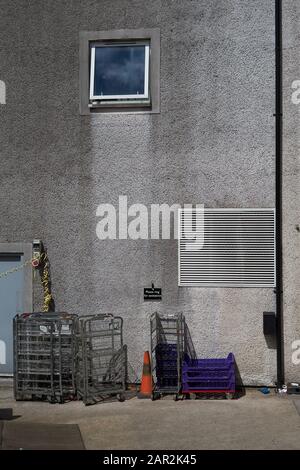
[[147, 382]]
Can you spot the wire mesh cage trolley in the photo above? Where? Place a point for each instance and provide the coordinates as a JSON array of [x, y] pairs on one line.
[[44, 356], [101, 358], [168, 344]]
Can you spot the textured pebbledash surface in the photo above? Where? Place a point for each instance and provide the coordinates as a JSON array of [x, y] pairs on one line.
[[212, 143]]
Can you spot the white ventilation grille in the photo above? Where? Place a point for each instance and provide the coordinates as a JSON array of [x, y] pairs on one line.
[[238, 248]]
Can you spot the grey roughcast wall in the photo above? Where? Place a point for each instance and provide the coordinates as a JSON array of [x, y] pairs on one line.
[[211, 143]]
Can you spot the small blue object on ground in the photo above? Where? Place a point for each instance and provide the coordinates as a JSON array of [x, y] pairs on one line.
[[264, 390]]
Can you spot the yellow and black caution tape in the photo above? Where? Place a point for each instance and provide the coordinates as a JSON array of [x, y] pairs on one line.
[[46, 282]]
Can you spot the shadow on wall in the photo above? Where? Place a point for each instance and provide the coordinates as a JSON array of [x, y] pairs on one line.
[[271, 341], [239, 386]]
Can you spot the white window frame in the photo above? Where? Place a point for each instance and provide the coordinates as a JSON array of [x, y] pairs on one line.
[[136, 97]]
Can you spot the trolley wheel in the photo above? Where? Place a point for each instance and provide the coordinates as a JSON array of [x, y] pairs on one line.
[[155, 396], [89, 402], [51, 399], [178, 396], [229, 396], [121, 397], [19, 398]]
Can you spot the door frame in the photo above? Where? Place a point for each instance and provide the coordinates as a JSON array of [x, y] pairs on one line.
[[25, 250]]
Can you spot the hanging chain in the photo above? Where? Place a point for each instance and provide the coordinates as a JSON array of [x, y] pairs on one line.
[[45, 277], [14, 270]]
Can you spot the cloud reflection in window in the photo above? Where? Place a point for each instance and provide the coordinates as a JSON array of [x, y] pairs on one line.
[[119, 70]]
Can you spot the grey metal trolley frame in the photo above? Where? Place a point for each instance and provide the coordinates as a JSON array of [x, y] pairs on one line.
[[101, 358], [170, 342], [44, 353], [167, 349]]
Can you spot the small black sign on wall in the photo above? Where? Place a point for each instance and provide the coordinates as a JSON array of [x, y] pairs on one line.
[[152, 293]]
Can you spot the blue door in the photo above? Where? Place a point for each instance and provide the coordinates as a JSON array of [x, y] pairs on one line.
[[11, 302]]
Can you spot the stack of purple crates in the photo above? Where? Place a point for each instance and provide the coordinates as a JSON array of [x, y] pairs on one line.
[[166, 365], [209, 376]]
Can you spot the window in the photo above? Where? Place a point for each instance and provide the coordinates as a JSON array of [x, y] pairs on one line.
[[238, 248], [119, 71]]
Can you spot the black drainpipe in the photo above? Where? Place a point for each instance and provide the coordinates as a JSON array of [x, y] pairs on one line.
[[278, 192]]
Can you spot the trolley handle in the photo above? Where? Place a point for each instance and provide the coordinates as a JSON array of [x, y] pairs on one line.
[[103, 316], [169, 315]]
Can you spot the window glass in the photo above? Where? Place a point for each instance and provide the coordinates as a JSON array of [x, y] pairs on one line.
[[119, 70]]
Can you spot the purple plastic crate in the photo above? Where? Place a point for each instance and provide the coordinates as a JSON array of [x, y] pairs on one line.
[[209, 375], [167, 382], [213, 364], [166, 351], [166, 347], [166, 365]]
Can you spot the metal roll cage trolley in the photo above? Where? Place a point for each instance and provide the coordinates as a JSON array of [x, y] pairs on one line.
[[170, 341], [101, 358]]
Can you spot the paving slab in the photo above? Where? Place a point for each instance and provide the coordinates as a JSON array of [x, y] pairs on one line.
[[41, 436]]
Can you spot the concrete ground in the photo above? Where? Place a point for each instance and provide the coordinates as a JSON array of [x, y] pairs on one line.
[[255, 421]]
